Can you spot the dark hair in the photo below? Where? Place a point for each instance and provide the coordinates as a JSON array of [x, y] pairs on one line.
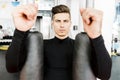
[[60, 9]]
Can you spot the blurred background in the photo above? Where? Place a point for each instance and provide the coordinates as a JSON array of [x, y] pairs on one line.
[[43, 22]]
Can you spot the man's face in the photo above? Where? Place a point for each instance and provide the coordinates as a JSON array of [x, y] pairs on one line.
[[61, 23]]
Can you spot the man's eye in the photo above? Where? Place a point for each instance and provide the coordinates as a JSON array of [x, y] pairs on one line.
[[57, 20], [66, 21]]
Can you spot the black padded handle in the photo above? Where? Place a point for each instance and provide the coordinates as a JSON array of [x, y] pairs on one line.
[[33, 68], [81, 63]]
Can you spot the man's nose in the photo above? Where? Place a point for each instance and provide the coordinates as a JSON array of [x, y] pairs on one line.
[[62, 24]]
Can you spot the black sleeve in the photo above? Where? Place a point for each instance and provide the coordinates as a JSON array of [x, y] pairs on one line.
[[15, 56], [101, 60]]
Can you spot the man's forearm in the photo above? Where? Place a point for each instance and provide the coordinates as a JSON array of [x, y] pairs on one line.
[[16, 52]]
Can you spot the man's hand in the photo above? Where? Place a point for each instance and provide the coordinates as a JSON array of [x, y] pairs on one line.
[[92, 21], [24, 16]]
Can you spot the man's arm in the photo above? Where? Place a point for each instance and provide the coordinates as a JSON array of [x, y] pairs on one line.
[[101, 61], [24, 17], [15, 56]]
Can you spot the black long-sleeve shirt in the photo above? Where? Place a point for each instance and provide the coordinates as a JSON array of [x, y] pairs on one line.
[[58, 57]]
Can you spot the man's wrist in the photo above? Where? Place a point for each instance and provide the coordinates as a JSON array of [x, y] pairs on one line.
[[20, 34]]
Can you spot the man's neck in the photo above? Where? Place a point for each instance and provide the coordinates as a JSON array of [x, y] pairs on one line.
[[61, 37]]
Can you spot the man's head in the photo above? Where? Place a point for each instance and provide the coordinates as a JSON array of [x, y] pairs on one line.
[[61, 21]]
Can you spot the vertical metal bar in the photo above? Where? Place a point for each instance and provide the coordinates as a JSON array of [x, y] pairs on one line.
[[89, 3]]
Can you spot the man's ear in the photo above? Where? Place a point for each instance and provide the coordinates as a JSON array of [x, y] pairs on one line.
[[52, 22]]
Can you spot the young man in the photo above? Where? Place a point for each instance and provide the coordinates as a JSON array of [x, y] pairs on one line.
[[58, 51]]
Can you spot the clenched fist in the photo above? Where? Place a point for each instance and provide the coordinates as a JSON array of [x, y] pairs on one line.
[[92, 21], [24, 16]]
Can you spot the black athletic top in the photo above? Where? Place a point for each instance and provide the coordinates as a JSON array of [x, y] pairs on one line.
[[58, 57]]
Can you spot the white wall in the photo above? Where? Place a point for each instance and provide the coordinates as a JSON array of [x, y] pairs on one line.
[[108, 7], [76, 16], [5, 16]]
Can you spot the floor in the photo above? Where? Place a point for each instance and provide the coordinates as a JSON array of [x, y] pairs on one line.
[[115, 75]]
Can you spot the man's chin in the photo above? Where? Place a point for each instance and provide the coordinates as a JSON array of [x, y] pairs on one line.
[[62, 35]]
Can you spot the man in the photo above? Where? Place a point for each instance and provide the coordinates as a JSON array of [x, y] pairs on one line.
[[58, 51]]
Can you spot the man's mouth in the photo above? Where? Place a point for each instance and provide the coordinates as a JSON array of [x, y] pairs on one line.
[[61, 30]]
